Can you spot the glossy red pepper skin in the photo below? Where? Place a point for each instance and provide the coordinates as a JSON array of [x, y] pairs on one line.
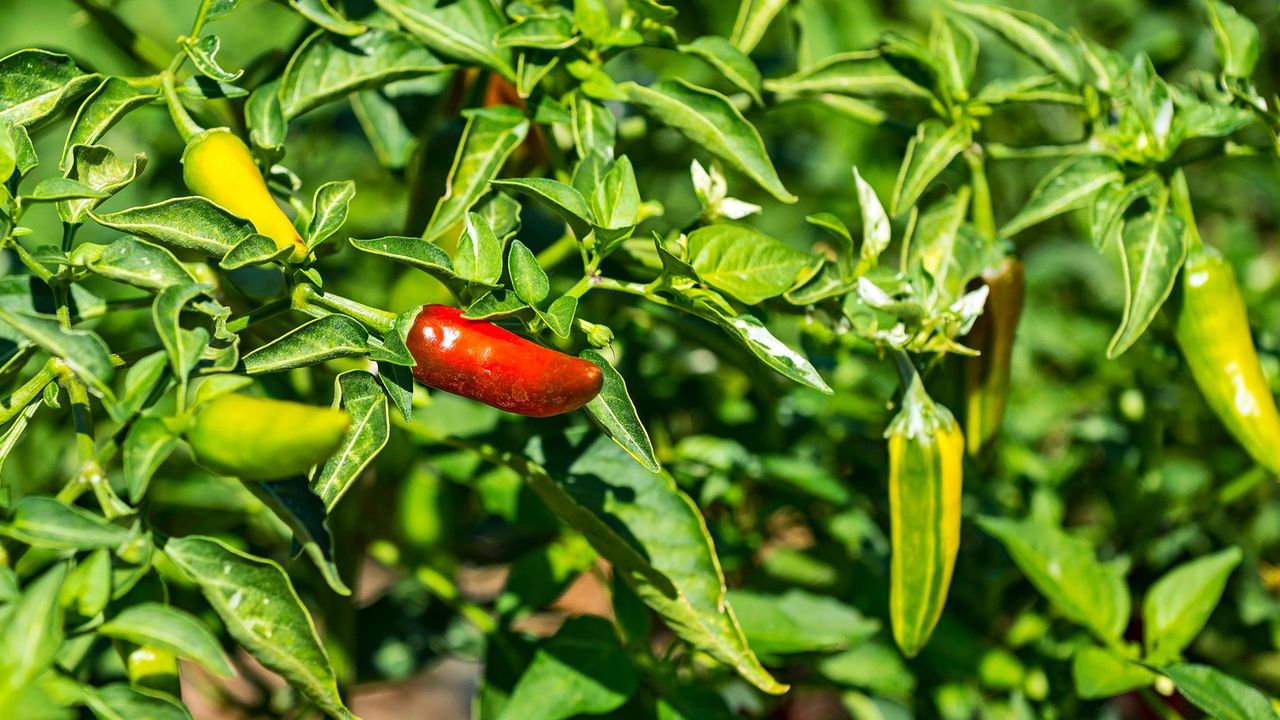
[[483, 362]]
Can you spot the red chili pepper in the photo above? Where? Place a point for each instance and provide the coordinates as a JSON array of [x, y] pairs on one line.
[[481, 361]]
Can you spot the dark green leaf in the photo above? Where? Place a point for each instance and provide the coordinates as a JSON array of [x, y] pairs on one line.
[[261, 610], [325, 338], [710, 120], [326, 67], [359, 394]]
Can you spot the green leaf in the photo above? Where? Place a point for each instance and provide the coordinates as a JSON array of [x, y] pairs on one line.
[[729, 61], [502, 213], [191, 223], [172, 629], [753, 19], [956, 49], [876, 231], [329, 210], [358, 393], [105, 106], [139, 382], [752, 333], [863, 74], [327, 68], [1154, 248], [56, 188], [495, 303], [322, 13], [710, 120], [392, 139], [1219, 694], [491, 135], [41, 521], [35, 85], [594, 127], [1064, 569], [254, 250], [199, 87], [1072, 185], [31, 633], [293, 501], [544, 32], [147, 445], [397, 381], [138, 263], [615, 202], [1111, 203], [478, 258], [211, 10], [203, 55], [82, 350], [182, 345], [325, 338], [744, 262], [264, 115], [120, 701], [88, 587], [101, 169], [261, 610], [563, 200], [1100, 673], [8, 440], [616, 414], [1178, 605], [527, 277], [558, 317], [1235, 38], [932, 149], [798, 622], [1031, 34], [655, 539], [412, 251], [582, 670], [874, 666], [462, 30]]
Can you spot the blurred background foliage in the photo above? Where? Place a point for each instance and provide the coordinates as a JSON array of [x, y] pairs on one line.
[[792, 483]]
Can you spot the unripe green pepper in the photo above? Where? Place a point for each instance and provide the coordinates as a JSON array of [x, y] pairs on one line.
[[218, 165], [987, 375], [153, 668], [1213, 331], [926, 452], [256, 438]]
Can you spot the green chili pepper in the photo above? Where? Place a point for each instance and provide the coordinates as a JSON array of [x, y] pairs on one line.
[[926, 452], [260, 439], [1213, 332], [987, 375]]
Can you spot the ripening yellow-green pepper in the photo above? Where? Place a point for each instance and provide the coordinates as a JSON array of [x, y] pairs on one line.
[[926, 453], [255, 438], [1213, 332], [987, 375], [218, 165], [151, 667]]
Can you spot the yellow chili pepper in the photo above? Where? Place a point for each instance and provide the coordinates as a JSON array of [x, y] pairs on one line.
[[1213, 332], [926, 453], [218, 165]]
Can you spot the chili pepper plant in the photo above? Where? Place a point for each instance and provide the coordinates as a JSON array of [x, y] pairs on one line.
[[639, 359]]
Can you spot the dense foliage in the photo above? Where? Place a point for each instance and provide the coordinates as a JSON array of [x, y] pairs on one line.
[[795, 238]]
